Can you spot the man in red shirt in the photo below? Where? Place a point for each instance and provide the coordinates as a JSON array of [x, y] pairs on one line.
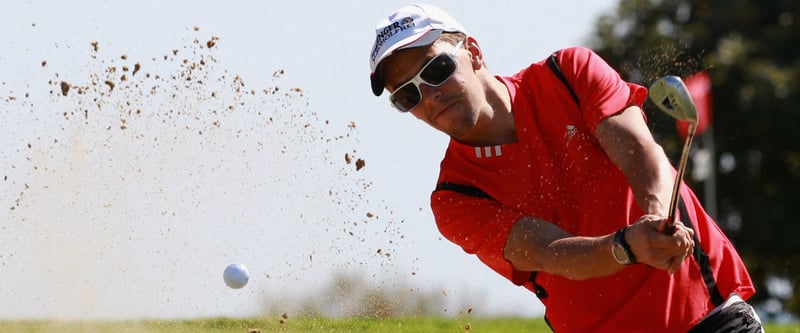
[[553, 180]]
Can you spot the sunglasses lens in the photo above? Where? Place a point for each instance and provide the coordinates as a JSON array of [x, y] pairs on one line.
[[406, 98], [438, 70], [435, 73]]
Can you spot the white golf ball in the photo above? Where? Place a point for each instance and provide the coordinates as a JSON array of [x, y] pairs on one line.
[[236, 276]]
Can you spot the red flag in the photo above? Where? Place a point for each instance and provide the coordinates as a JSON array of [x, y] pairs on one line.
[[699, 86]]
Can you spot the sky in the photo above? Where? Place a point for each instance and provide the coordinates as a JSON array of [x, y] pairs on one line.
[[147, 145]]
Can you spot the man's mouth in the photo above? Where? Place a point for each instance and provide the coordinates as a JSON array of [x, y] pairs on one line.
[[446, 109]]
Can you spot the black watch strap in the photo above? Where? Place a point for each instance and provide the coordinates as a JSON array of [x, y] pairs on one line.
[[619, 238]]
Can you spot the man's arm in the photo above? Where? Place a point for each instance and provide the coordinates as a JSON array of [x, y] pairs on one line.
[[629, 144], [537, 245]]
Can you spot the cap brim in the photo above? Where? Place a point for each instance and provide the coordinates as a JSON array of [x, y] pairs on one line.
[[377, 82], [427, 38]]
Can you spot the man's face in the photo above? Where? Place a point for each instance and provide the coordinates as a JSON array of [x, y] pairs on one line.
[[447, 107]]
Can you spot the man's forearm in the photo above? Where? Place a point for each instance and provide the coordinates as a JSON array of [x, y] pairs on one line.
[[537, 245]]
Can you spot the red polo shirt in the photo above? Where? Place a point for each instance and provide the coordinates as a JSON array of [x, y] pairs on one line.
[[558, 172]]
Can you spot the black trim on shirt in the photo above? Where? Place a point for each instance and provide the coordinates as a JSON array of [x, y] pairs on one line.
[[463, 189], [552, 62], [702, 259]]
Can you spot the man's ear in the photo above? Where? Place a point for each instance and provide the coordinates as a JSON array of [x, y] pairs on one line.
[[476, 54]]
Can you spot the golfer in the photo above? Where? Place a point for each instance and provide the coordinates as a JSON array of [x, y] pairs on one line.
[[553, 180]]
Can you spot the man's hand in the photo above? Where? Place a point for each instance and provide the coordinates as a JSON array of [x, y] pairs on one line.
[[656, 249]]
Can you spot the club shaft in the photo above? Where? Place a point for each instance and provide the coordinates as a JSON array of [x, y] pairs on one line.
[[676, 188]]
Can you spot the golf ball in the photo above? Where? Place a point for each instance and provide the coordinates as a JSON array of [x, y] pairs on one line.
[[236, 276]]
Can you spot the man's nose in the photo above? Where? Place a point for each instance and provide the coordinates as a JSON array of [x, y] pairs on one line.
[[429, 93]]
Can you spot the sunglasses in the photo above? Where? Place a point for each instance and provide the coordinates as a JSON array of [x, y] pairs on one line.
[[435, 73]]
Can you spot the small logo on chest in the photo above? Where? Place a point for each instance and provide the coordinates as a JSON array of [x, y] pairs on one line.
[[570, 133], [485, 152]]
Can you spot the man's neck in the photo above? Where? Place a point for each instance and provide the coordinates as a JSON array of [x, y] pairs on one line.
[[496, 125]]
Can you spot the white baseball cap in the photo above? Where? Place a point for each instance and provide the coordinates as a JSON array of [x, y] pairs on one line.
[[411, 26]]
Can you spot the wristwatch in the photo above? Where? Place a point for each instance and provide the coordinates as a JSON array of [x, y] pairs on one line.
[[621, 250]]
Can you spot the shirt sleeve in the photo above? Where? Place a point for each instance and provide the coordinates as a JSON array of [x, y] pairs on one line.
[[600, 89], [479, 226]]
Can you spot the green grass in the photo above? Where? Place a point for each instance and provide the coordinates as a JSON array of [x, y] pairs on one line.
[[305, 325], [290, 325]]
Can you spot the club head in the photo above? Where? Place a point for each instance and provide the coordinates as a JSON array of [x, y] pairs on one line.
[[670, 94]]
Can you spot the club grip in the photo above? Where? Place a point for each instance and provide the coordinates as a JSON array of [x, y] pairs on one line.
[[669, 226]]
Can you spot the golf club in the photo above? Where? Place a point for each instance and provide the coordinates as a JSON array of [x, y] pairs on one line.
[[672, 97]]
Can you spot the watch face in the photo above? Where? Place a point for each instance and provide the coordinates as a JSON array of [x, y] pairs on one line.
[[619, 254]]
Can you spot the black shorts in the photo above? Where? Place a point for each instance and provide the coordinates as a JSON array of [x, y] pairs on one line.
[[738, 317]]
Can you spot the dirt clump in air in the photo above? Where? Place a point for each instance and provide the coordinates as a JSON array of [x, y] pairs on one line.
[[64, 87]]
